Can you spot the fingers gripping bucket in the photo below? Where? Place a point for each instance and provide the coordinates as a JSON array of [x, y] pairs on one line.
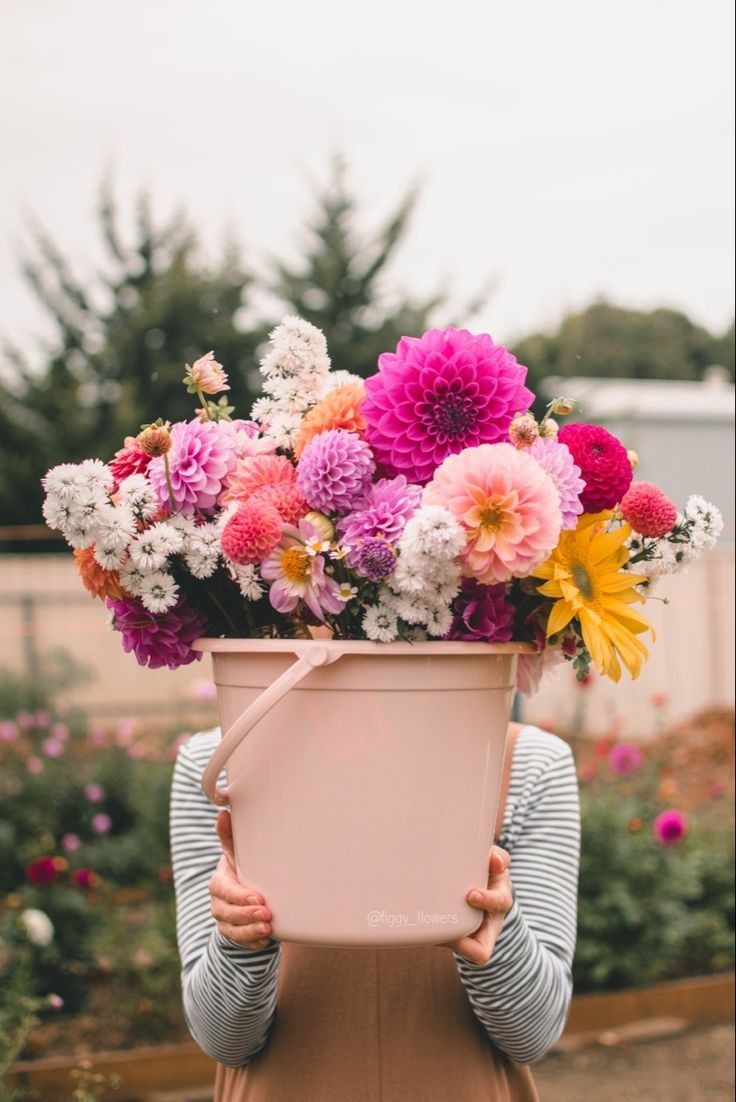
[[363, 780]]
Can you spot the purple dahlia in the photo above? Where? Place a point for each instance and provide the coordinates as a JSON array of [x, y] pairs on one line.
[[556, 459], [200, 458], [382, 513], [439, 394], [158, 640], [481, 613]]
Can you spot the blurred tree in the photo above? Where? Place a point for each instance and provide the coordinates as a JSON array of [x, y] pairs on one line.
[[610, 341], [120, 343], [338, 283]]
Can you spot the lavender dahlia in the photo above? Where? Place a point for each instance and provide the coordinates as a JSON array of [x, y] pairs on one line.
[[382, 512], [156, 641], [438, 394], [556, 459], [334, 471], [375, 559]]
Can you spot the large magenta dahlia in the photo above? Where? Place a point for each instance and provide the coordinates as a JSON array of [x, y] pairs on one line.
[[604, 464], [438, 394]]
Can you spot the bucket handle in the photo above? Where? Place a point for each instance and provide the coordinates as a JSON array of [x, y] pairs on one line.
[[313, 657]]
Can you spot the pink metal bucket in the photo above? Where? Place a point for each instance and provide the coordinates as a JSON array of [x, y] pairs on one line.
[[364, 796]]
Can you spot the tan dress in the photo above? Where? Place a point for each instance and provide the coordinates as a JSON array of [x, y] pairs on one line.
[[376, 1025]]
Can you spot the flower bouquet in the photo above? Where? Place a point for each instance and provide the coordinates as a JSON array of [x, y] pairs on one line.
[[424, 503], [424, 528]]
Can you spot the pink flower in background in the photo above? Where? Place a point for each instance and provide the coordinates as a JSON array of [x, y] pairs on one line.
[[297, 575], [625, 758], [604, 464], [335, 471], [204, 690], [34, 765], [252, 532], [25, 720], [101, 823], [648, 509], [42, 719], [659, 700], [52, 748], [43, 870], [507, 505], [55, 1002], [97, 736], [481, 613], [60, 731], [95, 793], [670, 827], [8, 731], [85, 878], [158, 640], [126, 728], [438, 394], [200, 459], [71, 842]]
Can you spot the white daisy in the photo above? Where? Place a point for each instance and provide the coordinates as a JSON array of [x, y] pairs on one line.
[[110, 558], [57, 513], [137, 493], [116, 525], [202, 564], [149, 551], [380, 624], [98, 474], [158, 592], [80, 535], [433, 532], [316, 546], [439, 622], [248, 581], [64, 481], [131, 578], [346, 592]]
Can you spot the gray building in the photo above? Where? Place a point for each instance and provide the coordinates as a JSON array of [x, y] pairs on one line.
[[682, 431]]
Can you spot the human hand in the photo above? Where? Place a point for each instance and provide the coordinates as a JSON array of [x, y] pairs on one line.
[[495, 900], [240, 912]]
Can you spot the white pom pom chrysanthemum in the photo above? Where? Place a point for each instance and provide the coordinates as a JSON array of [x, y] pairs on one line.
[[158, 592]]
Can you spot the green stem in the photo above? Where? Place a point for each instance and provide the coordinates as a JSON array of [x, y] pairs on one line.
[[169, 487], [203, 402]]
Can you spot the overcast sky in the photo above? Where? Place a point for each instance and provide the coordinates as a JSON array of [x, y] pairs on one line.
[[567, 148]]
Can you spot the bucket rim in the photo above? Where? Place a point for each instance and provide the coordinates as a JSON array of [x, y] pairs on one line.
[[207, 644]]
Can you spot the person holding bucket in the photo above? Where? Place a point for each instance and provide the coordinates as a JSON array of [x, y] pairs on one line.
[[425, 1024]]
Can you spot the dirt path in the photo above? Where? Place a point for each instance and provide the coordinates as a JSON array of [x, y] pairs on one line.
[[695, 1067]]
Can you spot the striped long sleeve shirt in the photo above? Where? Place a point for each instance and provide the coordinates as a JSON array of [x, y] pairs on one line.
[[521, 996]]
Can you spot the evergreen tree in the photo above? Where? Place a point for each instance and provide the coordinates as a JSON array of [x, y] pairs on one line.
[[121, 341], [339, 282]]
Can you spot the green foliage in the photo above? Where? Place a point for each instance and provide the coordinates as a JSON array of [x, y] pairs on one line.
[[647, 911], [121, 338], [611, 342]]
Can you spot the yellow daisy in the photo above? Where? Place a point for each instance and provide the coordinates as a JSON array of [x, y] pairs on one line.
[[586, 581]]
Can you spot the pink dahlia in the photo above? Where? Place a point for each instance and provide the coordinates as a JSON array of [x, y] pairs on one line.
[[508, 506], [252, 532], [383, 512], [670, 827], [648, 509], [129, 460], [246, 436], [296, 574], [481, 613], [604, 464], [556, 460], [335, 471], [438, 394], [200, 459], [158, 640], [251, 474], [625, 758]]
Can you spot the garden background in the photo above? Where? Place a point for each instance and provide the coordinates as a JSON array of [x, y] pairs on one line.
[[95, 346]]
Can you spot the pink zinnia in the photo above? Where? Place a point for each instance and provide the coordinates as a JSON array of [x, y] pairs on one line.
[[625, 758], [507, 505], [670, 827], [648, 509], [252, 532], [298, 575], [438, 394], [604, 464], [253, 473], [200, 459], [129, 460]]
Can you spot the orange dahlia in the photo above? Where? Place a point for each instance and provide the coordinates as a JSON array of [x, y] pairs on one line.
[[95, 579], [254, 473], [340, 409]]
